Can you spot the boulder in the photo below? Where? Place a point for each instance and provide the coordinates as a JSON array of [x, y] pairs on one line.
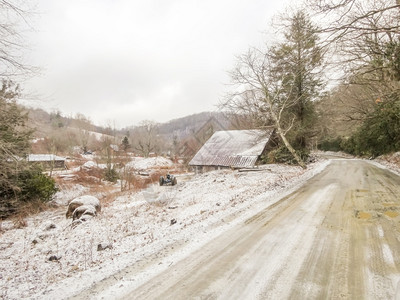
[[82, 211], [83, 200]]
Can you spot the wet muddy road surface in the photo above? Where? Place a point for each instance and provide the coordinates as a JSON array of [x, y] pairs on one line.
[[337, 237]]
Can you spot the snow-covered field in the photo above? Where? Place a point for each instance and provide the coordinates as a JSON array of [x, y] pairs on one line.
[[50, 259], [140, 163]]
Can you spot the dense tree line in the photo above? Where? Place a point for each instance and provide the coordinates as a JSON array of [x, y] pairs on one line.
[[367, 37]]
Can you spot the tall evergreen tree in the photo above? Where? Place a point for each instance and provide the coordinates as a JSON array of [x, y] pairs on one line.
[[298, 63], [14, 138], [125, 143], [19, 181]]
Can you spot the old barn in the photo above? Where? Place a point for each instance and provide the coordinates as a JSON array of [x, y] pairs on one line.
[[47, 161], [232, 149]]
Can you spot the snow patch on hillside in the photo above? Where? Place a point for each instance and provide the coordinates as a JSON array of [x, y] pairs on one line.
[[141, 163]]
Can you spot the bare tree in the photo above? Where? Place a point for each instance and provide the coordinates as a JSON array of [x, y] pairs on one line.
[[84, 126], [145, 138], [259, 95]]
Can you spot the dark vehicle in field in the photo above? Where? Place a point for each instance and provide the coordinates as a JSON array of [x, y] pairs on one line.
[[168, 180]]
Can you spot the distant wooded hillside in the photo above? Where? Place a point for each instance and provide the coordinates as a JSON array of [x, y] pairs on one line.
[[57, 133]]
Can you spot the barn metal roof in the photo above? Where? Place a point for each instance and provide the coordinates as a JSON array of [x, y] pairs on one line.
[[44, 157], [232, 148]]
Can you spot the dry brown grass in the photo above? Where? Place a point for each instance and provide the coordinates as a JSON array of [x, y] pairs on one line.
[[74, 163], [108, 199], [106, 194], [29, 209], [102, 188], [155, 176], [142, 182], [90, 176]]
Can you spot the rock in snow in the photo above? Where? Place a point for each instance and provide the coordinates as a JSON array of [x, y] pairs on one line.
[[82, 210], [54, 258], [103, 246], [87, 201]]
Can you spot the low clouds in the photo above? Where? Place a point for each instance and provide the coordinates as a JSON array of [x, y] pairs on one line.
[[128, 61]]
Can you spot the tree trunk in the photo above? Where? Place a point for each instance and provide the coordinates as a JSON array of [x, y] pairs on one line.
[[283, 137], [291, 149]]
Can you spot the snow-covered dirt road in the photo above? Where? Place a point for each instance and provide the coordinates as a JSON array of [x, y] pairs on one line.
[[337, 237]]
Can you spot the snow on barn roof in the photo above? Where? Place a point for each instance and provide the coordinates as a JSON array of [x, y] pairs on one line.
[[232, 148], [44, 157]]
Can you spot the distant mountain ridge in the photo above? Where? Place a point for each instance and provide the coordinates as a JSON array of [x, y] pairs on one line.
[[44, 122], [189, 125]]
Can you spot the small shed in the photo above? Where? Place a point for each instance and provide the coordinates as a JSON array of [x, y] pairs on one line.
[[233, 149], [48, 161]]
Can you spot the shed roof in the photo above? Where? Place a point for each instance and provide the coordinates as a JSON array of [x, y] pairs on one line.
[[232, 148], [44, 157]]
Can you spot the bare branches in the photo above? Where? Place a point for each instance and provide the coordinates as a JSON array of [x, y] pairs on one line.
[[145, 138], [366, 34], [258, 94], [347, 20], [12, 43], [350, 21]]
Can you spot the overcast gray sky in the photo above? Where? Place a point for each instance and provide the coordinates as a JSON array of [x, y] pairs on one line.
[[125, 61]]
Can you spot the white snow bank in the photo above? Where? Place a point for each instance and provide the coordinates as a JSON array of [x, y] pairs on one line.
[[67, 192], [89, 164], [390, 161], [140, 163]]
